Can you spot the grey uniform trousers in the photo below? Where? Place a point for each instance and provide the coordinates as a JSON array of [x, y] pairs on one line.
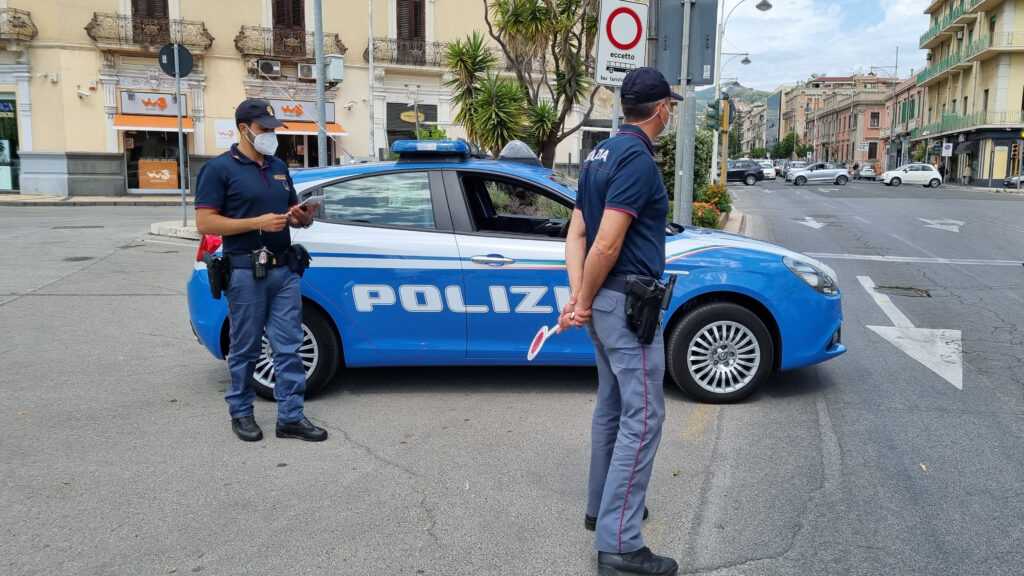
[[626, 429]]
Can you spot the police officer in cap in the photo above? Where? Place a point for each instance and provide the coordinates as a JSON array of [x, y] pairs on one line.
[[617, 230], [246, 196]]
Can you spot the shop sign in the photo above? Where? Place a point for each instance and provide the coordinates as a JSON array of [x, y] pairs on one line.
[[226, 135], [161, 174], [299, 110], [6, 109], [410, 116], [150, 104]]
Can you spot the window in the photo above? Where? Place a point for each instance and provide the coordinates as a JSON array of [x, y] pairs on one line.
[[289, 14], [411, 39], [873, 122], [872, 150], [512, 207], [149, 8], [150, 22], [396, 199], [903, 111], [912, 101]]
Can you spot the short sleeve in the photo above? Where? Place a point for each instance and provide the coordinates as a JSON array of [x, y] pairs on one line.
[[293, 197], [629, 186], [210, 187]]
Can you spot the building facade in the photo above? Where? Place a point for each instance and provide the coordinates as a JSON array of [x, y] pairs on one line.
[[904, 110], [847, 125], [974, 78], [773, 118]]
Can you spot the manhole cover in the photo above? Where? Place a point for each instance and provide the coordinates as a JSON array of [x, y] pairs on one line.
[[905, 291]]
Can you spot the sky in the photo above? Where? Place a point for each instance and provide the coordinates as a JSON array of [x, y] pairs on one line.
[[797, 38]]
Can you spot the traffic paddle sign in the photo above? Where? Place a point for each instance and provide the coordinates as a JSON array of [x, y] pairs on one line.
[[621, 41]]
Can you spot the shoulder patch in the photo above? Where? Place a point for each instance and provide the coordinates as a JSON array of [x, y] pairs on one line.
[[280, 177]]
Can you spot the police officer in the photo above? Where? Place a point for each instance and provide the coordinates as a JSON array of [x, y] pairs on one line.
[[618, 229], [246, 195]]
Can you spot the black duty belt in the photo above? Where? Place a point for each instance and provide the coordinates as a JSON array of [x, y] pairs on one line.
[[615, 283], [244, 259]]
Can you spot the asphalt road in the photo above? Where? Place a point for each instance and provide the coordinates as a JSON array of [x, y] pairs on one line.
[[118, 456]]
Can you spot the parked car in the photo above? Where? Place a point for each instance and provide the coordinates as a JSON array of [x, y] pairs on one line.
[[917, 173], [769, 170], [794, 165], [443, 258], [1012, 181], [833, 172], [865, 172], [746, 171]]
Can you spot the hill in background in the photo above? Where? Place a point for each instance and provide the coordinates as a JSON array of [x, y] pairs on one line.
[[736, 91]]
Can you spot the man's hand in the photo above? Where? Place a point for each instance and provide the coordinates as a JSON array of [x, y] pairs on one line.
[[271, 222]]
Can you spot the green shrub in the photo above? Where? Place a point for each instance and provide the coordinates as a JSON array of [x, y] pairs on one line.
[[705, 215], [716, 195]]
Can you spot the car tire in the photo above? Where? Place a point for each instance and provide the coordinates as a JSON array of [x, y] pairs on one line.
[[895, 182], [719, 352], [935, 183], [800, 181], [320, 352], [842, 180], [750, 180]]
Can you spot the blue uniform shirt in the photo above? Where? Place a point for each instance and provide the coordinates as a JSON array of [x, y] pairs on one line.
[[237, 187], [620, 174]]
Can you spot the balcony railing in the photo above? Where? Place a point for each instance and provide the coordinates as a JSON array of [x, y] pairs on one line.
[[407, 52], [955, 123], [941, 25], [941, 66], [996, 41], [288, 43], [16, 25], [119, 30]]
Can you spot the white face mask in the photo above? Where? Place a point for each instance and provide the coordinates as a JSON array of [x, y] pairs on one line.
[[265, 143], [665, 128]]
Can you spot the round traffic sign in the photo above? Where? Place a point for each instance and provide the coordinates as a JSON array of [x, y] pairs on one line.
[[166, 59], [623, 29]]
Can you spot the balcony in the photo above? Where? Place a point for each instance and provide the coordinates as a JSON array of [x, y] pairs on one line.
[[934, 35], [406, 52], [284, 43], [987, 46], [957, 123], [16, 26], [137, 33], [983, 5], [933, 73]]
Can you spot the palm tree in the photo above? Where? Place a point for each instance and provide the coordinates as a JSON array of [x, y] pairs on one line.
[[469, 61], [498, 112]]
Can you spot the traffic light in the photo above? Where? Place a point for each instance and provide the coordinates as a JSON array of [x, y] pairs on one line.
[[713, 115], [1015, 150]]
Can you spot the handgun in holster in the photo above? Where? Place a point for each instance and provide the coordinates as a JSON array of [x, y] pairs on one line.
[[218, 271], [299, 259], [646, 297]]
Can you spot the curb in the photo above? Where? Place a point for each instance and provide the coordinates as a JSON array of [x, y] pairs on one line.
[[49, 200], [175, 230], [734, 222]]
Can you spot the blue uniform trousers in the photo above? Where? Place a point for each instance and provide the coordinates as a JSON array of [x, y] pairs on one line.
[[626, 429], [275, 304]]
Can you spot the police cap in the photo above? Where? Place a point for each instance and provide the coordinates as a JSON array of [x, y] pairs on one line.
[[259, 111], [644, 85]]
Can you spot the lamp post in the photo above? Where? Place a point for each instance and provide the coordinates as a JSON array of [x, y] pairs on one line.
[[890, 156], [763, 6]]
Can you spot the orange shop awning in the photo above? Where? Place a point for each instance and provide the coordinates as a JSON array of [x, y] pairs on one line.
[[152, 123], [292, 127]]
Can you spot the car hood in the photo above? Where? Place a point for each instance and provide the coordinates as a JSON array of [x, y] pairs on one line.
[[701, 239]]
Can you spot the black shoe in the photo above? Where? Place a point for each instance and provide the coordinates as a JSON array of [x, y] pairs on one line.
[[590, 522], [247, 429], [641, 561], [301, 429]]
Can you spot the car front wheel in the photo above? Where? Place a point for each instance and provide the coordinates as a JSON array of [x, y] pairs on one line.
[[320, 352], [895, 182], [935, 183], [720, 352], [842, 180], [750, 180], [800, 181]]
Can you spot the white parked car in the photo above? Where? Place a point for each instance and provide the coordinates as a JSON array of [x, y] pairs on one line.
[[769, 170], [923, 174]]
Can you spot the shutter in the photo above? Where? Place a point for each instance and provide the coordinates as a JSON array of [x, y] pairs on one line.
[[403, 11], [150, 8], [298, 14], [418, 17]]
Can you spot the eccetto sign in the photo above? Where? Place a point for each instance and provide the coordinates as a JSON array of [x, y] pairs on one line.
[[622, 27]]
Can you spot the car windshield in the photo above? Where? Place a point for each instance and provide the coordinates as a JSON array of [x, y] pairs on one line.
[[564, 180], [766, 164], [798, 165], [904, 167]]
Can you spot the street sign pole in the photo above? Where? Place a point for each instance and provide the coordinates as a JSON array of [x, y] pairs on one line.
[[682, 190], [181, 136], [616, 110]]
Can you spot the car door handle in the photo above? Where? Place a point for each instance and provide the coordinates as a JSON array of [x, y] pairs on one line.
[[492, 260]]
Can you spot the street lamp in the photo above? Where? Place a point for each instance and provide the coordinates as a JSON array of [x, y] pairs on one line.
[[890, 156], [763, 6]]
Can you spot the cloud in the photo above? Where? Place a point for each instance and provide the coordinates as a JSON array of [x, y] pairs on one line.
[[802, 37]]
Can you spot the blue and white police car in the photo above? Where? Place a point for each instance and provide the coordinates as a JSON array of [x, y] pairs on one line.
[[445, 258]]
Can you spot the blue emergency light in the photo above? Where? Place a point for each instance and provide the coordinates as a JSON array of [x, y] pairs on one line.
[[431, 150]]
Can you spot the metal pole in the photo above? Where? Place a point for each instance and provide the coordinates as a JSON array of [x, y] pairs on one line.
[[181, 137], [682, 190], [725, 139], [321, 104], [718, 81], [892, 129], [615, 111], [373, 148], [1020, 156]]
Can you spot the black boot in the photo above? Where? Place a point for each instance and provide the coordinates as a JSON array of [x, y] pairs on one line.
[[590, 522], [247, 429], [639, 562], [301, 429]]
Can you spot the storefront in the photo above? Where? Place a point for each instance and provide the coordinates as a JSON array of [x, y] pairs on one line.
[[9, 162], [148, 124], [297, 141]]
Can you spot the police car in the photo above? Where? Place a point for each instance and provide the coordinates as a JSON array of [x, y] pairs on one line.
[[445, 258]]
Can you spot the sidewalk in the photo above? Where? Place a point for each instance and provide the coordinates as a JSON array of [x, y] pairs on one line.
[[48, 200]]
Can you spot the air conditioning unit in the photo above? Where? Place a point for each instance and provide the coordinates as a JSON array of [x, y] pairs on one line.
[[959, 34], [270, 68], [307, 71]]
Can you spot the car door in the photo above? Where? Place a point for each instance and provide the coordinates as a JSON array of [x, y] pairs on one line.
[[385, 263], [817, 173], [513, 256]]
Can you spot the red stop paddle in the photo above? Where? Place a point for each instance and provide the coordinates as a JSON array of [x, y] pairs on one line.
[[542, 336]]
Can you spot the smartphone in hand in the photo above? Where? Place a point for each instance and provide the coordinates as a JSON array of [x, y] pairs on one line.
[[312, 201]]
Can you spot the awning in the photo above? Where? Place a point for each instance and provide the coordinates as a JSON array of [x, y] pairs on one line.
[[152, 123], [967, 147], [292, 127]]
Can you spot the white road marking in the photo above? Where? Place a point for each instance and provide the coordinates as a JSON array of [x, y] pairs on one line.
[[798, 193], [941, 351], [914, 259], [945, 224], [828, 189], [862, 219], [811, 222]]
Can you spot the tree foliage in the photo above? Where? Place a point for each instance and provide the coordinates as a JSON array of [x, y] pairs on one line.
[[790, 146], [701, 160]]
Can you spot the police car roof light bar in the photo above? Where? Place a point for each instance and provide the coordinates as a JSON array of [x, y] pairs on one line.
[[431, 150]]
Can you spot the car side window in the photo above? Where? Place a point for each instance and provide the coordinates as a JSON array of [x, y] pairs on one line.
[[509, 206], [395, 199]]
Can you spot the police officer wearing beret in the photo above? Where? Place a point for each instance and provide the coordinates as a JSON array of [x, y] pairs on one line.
[[246, 196], [617, 230]]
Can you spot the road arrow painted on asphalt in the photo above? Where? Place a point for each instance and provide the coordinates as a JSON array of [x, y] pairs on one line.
[[811, 222], [950, 225], [828, 189], [941, 351]]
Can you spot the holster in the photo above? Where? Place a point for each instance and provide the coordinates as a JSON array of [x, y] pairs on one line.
[[299, 259], [218, 271], [646, 297]]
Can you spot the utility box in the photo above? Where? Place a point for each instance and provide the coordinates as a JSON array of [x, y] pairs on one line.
[[335, 64], [703, 35]]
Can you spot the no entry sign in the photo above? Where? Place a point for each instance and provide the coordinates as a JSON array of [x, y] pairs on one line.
[[621, 41]]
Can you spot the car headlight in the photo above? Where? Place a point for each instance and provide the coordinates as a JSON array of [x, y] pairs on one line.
[[820, 277]]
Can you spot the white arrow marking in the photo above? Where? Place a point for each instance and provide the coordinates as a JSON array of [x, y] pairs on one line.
[[811, 222], [828, 189], [950, 225], [941, 351]]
